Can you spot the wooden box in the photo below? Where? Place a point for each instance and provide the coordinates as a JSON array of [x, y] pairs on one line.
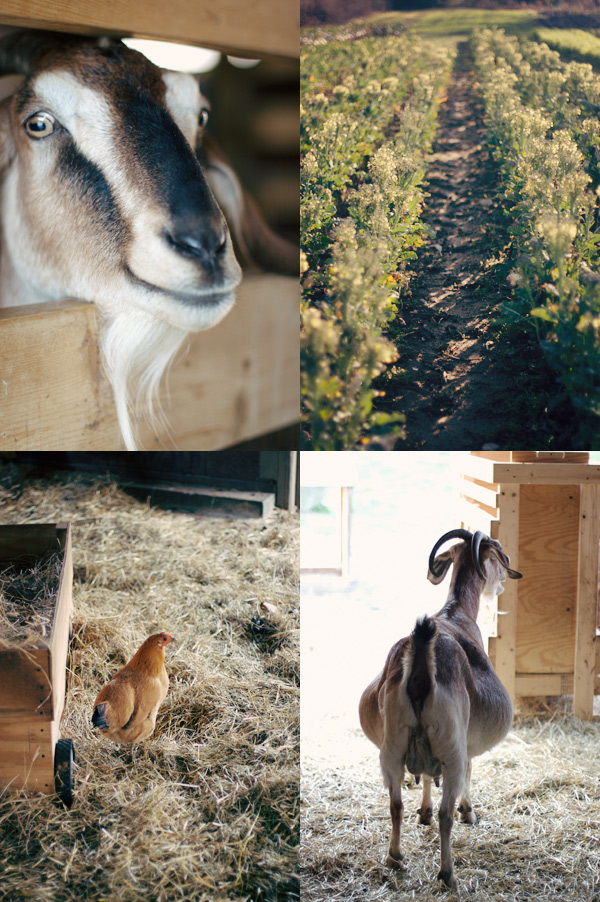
[[33, 677], [544, 509]]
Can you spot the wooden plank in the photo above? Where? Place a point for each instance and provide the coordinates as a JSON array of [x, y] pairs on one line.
[[282, 467], [236, 382], [504, 456], [25, 677], [487, 497], [26, 540], [263, 27], [587, 600], [27, 754], [572, 457], [345, 528], [473, 516], [53, 395], [481, 468], [203, 500], [59, 641], [528, 684], [506, 641], [549, 529], [545, 473]]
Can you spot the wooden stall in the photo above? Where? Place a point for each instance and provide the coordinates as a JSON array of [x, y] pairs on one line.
[[234, 383], [33, 671], [544, 509]]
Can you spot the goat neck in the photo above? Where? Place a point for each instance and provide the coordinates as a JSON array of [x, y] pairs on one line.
[[464, 593]]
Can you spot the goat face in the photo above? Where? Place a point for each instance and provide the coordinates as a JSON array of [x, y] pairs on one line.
[[104, 198]]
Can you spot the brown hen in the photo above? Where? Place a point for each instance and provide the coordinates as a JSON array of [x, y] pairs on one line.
[[125, 709]]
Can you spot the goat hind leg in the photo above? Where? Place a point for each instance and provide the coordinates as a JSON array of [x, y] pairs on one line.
[[395, 856], [454, 780], [467, 815], [425, 812]]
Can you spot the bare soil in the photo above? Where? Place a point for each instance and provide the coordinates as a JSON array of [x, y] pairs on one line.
[[464, 381]]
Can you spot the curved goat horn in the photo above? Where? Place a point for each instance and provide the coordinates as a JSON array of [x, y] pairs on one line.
[[453, 534], [475, 552]]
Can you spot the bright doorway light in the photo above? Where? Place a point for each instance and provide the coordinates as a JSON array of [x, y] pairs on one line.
[[241, 62], [180, 57]]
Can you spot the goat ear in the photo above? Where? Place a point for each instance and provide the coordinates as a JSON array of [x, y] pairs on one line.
[[504, 560], [7, 146], [442, 564], [255, 241]]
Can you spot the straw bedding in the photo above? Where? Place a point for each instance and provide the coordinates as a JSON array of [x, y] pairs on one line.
[[535, 795], [207, 808]]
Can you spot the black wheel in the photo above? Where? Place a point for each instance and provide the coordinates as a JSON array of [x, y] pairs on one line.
[[64, 758]]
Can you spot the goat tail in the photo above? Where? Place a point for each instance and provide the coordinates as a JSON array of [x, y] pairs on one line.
[[419, 685], [422, 669]]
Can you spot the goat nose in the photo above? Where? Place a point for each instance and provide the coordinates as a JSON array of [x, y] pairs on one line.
[[202, 240]]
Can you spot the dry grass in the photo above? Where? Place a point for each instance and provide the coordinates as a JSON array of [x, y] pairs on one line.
[[537, 838], [27, 599], [207, 808]]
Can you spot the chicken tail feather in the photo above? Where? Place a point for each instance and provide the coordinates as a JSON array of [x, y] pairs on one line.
[[99, 717]]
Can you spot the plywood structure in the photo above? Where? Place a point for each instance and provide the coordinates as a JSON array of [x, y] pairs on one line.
[[545, 512], [235, 382], [236, 26], [33, 679]]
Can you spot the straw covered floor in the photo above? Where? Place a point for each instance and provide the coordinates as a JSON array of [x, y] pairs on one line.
[[206, 808], [535, 795]]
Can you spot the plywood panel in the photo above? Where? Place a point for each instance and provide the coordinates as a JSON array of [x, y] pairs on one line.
[[549, 529], [236, 382], [27, 753], [250, 28], [53, 395], [544, 684]]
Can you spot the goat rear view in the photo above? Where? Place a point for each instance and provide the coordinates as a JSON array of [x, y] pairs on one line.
[[111, 192], [438, 702]]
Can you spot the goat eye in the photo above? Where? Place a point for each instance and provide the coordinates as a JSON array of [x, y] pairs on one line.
[[40, 125], [203, 119]]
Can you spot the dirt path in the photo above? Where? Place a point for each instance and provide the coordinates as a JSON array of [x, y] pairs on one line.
[[456, 374]]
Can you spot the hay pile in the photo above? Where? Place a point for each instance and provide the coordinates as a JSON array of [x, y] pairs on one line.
[[535, 795], [207, 808], [27, 599]]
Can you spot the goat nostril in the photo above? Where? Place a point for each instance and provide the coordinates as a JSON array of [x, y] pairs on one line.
[[203, 242]]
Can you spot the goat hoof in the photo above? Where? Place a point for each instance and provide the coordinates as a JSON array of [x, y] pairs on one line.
[[467, 815], [436, 780], [448, 878], [395, 861], [425, 816]]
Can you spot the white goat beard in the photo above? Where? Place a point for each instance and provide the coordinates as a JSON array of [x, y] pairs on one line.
[[137, 351]]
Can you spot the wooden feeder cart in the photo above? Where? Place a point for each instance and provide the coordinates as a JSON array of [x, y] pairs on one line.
[[544, 509], [33, 674]]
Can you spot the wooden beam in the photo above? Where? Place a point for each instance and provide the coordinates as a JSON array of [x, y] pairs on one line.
[[587, 601], [236, 381], [544, 684], [545, 473], [474, 516], [263, 27], [505, 647], [282, 467], [486, 496]]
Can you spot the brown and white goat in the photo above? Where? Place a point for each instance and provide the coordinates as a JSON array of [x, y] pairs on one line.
[[438, 701], [112, 193]]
